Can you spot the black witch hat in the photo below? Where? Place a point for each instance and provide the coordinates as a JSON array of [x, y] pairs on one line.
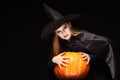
[[57, 21]]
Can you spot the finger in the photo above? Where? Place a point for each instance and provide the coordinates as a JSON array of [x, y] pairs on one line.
[[63, 64], [65, 61], [79, 52], [60, 66], [83, 55], [65, 57], [62, 53], [88, 60], [85, 58]]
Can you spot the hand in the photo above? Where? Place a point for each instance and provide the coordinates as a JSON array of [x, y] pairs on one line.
[[85, 56], [60, 60]]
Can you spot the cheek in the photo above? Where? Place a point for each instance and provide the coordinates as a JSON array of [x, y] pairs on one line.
[[69, 32], [60, 35]]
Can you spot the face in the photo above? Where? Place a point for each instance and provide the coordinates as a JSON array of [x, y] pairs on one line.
[[64, 31]]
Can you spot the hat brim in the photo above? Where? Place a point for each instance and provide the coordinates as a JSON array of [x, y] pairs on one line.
[[53, 25]]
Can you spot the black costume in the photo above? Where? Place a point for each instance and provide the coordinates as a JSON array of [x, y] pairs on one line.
[[102, 63], [100, 51]]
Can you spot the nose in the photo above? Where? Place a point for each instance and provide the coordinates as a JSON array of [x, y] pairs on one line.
[[63, 33]]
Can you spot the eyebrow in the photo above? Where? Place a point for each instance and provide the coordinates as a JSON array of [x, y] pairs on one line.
[[63, 27], [58, 31]]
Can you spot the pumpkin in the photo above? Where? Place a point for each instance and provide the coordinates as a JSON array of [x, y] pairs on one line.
[[77, 68]]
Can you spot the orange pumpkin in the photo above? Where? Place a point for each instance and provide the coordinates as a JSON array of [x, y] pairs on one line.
[[76, 69]]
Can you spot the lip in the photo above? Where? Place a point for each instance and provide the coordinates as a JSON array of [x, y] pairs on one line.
[[66, 35]]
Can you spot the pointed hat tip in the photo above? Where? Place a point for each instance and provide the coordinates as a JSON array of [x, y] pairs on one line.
[[53, 14], [45, 5]]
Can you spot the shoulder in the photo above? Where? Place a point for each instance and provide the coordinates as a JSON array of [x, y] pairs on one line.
[[92, 36]]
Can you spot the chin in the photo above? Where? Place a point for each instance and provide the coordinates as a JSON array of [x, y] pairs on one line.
[[67, 38]]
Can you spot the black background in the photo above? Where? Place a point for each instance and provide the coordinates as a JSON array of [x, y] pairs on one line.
[[26, 55]]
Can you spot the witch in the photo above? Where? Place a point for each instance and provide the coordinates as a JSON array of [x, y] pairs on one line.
[[97, 50]]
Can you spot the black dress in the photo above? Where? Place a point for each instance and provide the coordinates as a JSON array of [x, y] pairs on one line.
[[98, 48]]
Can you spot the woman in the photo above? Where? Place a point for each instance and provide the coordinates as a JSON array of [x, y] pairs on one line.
[[96, 49]]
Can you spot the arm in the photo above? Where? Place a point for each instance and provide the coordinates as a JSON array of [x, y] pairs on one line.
[[50, 64], [98, 45], [99, 49]]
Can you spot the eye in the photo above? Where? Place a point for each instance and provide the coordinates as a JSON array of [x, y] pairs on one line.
[[65, 27], [58, 31]]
